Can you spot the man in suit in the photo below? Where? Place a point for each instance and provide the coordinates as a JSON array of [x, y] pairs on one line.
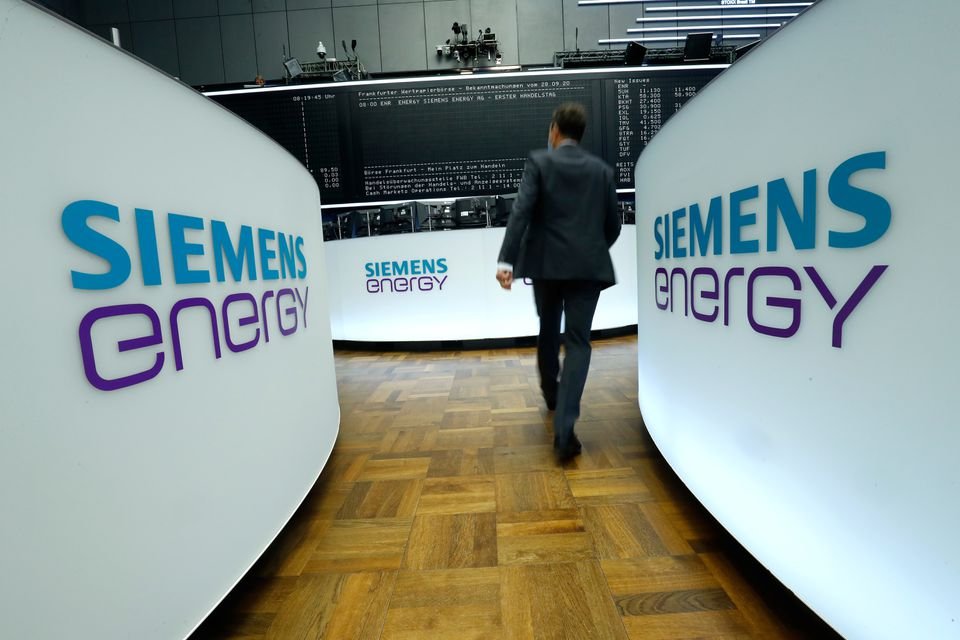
[[559, 235]]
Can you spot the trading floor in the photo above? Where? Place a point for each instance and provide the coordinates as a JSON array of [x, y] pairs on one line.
[[443, 514]]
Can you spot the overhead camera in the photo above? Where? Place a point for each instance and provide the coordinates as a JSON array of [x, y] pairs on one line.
[[463, 49]]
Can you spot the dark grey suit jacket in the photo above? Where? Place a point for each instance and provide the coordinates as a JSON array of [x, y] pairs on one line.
[[564, 219]]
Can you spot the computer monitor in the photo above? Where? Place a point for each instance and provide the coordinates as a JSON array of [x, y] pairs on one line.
[[470, 213], [363, 219], [382, 222], [697, 47], [403, 217]]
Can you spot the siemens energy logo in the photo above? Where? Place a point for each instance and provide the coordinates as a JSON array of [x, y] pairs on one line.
[[725, 226], [406, 276], [239, 320]]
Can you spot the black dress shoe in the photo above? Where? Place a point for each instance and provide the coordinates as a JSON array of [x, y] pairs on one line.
[[569, 452], [576, 443]]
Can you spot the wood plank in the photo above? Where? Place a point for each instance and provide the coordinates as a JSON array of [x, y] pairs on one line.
[[657, 574], [465, 438], [567, 600], [452, 603], [395, 468], [383, 499], [408, 440], [523, 434], [622, 531], [335, 606], [521, 459], [463, 462], [537, 491], [537, 537], [361, 545], [452, 541], [607, 486], [464, 494], [683, 601], [720, 625]]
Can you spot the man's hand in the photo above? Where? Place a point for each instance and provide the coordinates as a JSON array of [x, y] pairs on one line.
[[505, 278]]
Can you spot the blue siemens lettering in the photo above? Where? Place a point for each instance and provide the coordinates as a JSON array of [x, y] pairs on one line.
[[873, 208], [147, 241], [74, 220], [191, 248], [182, 250], [302, 270], [236, 255], [799, 220], [678, 233], [390, 268], [738, 220], [266, 255], [287, 255], [405, 276], [701, 235], [802, 230], [658, 237]]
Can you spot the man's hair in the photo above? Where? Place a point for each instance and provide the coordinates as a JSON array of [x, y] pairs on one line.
[[571, 120]]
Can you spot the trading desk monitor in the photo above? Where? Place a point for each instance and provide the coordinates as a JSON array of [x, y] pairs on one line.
[[454, 137], [471, 212]]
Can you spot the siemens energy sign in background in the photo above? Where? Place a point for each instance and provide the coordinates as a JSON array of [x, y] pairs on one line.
[[798, 306], [441, 286], [166, 387]]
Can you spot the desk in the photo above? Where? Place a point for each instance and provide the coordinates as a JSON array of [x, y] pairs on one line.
[[460, 299]]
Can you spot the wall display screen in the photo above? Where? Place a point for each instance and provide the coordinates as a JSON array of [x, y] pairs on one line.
[[458, 136]]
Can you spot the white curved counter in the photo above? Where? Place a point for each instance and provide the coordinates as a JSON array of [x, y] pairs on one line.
[[162, 412], [440, 285], [797, 310]]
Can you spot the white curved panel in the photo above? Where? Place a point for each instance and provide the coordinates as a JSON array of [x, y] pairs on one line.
[[440, 285], [818, 426], [152, 443]]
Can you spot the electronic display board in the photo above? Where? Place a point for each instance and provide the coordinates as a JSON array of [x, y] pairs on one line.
[[458, 136]]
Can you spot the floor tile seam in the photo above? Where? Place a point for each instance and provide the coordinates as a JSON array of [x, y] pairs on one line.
[[617, 503], [389, 600], [593, 539], [613, 598], [413, 522]]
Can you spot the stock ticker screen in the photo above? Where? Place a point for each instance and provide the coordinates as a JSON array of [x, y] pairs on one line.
[[459, 136]]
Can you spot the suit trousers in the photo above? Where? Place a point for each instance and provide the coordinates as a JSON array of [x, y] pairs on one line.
[[577, 301]]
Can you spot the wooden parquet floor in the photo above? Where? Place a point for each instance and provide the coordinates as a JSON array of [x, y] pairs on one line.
[[442, 514]]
